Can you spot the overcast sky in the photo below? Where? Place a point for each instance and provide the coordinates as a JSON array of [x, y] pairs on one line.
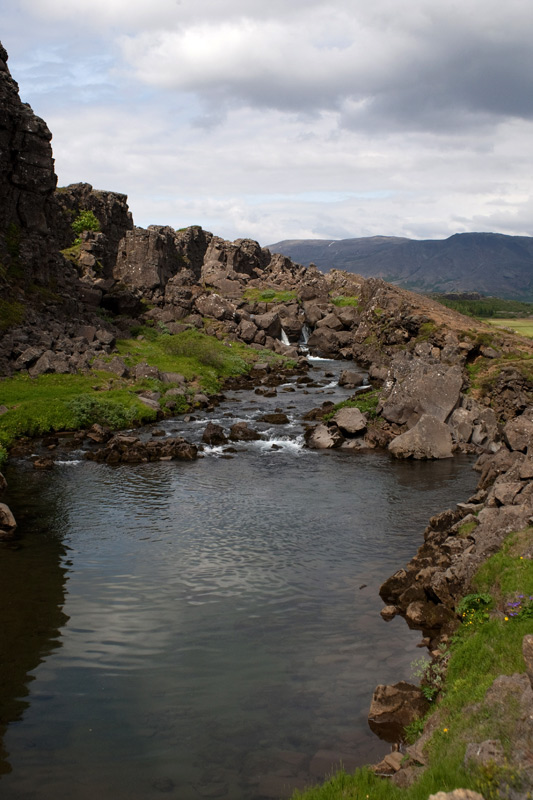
[[283, 119]]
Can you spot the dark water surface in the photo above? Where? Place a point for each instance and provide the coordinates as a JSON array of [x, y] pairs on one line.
[[198, 629]]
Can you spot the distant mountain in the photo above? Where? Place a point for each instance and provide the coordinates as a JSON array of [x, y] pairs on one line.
[[488, 263]]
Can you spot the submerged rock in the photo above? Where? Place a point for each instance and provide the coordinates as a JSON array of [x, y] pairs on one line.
[[8, 524]]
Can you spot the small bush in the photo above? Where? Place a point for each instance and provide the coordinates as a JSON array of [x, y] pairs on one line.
[[88, 409], [11, 313], [341, 301], [85, 221]]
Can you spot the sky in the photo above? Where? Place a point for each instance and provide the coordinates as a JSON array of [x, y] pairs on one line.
[[289, 119]]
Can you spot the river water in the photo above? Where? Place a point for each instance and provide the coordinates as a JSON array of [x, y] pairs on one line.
[[206, 629]]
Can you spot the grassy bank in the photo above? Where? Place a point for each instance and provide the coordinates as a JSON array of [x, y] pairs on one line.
[[487, 644], [522, 326], [51, 403]]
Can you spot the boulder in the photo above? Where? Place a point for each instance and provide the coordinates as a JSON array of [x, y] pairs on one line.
[[330, 321], [214, 434], [240, 432], [213, 305], [270, 323], [144, 370], [324, 437], [324, 342], [419, 388], [276, 418], [350, 421], [394, 707], [457, 794], [8, 524], [247, 331], [351, 377], [429, 439], [518, 433]]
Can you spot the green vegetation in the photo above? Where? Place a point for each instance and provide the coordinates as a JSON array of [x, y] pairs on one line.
[[486, 306], [524, 327], [53, 402], [85, 221], [198, 357], [73, 252], [11, 313], [343, 300], [487, 644], [253, 295], [426, 331], [65, 402], [366, 402]]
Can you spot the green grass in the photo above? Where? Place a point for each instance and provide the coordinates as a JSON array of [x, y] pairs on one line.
[[254, 295], [65, 402], [522, 326], [366, 403], [198, 357], [484, 647], [342, 300]]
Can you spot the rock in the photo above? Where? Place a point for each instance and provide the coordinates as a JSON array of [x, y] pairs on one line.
[[123, 449], [240, 432], [275, 419], [527, 652], [428, 439], [148, 401], [270, 323], [28, 357], [518, 434], [144, 370], [389, 612], [350, 377], [8, 524], [99, 434], [324, 342], [324, 437], [393, 708], [105, 337], [214, 434], [247, 331], [117, 366], [3, 483], [421, 388], [171, 377], [213, 305], [330, 321], [484, 753], [43, 463], [350, 421]]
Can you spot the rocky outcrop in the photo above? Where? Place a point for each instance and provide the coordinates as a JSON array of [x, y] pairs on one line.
[[393, 708]]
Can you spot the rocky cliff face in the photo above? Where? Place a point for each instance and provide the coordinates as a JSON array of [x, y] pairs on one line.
[[27, 183]]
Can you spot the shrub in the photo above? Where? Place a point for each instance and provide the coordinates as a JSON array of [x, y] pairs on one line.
[[85, 221], [87, 410]]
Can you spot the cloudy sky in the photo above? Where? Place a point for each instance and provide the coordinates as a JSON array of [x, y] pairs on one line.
[[281, 119]]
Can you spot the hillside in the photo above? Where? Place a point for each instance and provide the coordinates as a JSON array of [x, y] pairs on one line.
[[489, 263]]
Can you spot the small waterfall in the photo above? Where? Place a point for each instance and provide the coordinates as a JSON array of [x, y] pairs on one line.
[[284, 338], [306, 333]]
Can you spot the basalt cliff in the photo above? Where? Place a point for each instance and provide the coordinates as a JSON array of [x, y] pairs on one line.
[[442, 383]]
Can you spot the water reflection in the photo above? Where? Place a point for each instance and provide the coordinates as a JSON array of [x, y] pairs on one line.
[[32, 594]]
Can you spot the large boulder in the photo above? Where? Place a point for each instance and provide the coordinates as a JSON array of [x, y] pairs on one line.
[[350, 421], [147, 258], [270, 323], [324, 342], [393, 708], [429, 439], [420, 387], [518, 433], [213, 305]]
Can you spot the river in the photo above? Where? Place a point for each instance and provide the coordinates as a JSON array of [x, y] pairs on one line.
[[207, 629]]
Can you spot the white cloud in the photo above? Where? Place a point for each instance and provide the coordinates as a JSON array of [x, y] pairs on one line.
[[289, 120]]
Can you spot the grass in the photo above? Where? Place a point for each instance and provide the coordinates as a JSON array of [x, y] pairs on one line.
[[344, 300], [522, 326], [52, 403], [485, 646], [253, 295], [199, 358], [366, 403]]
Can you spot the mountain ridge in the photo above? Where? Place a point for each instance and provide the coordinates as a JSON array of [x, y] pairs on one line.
[[488, 263]]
